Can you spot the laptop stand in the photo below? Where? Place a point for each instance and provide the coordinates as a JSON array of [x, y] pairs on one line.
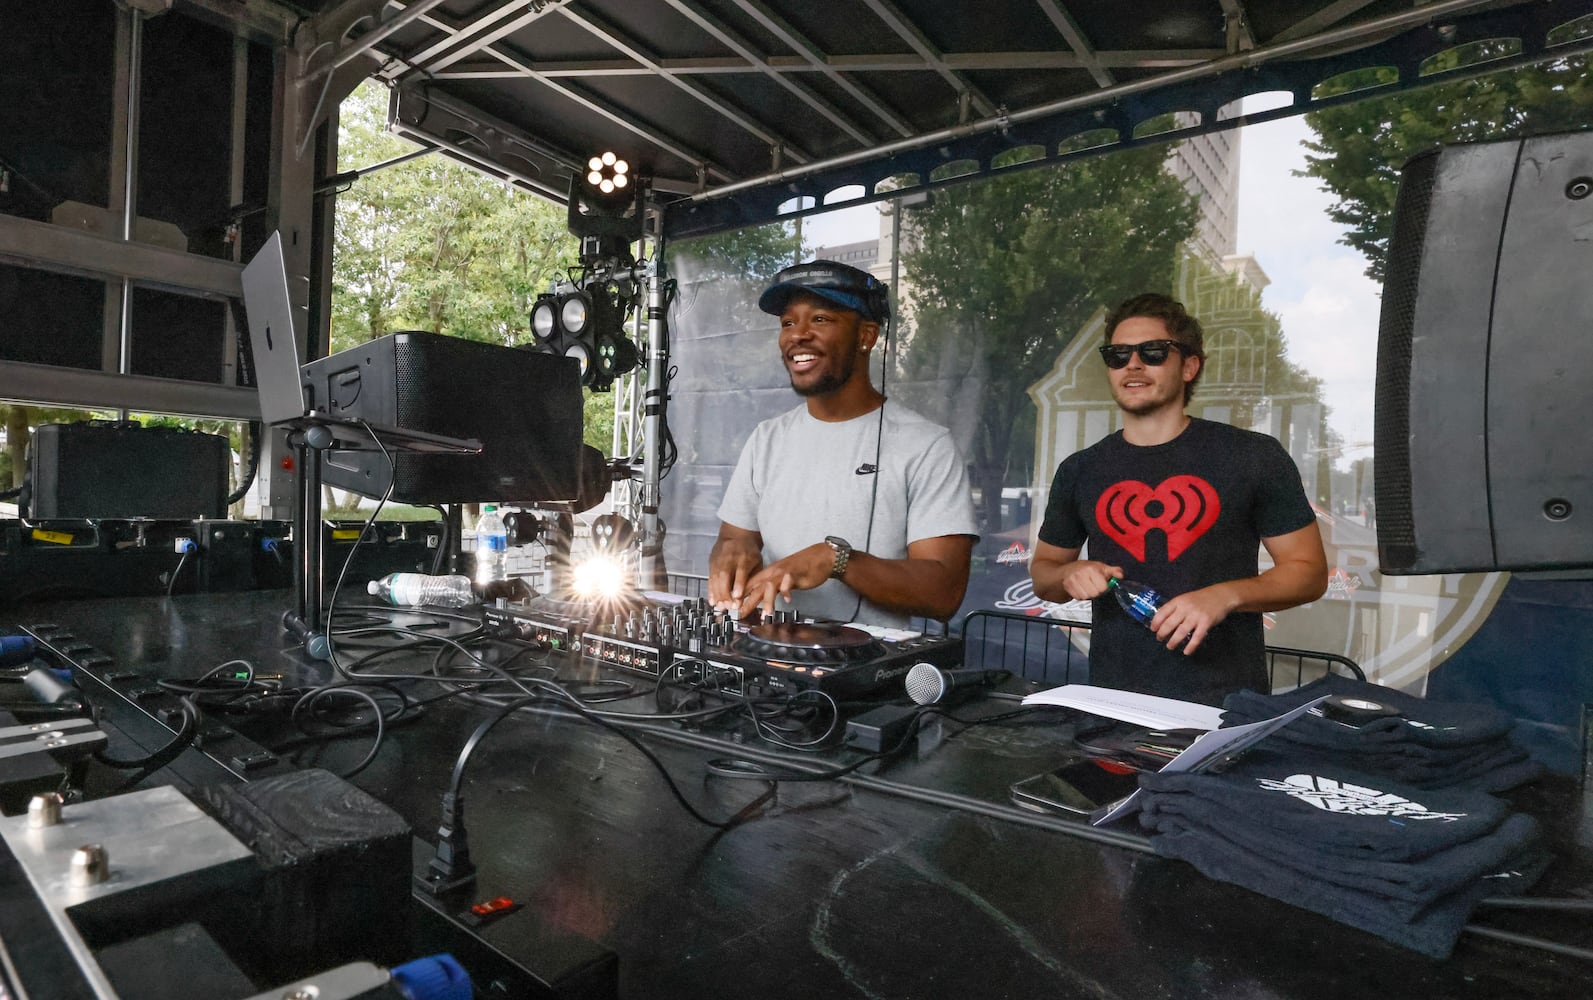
[[310, 436]]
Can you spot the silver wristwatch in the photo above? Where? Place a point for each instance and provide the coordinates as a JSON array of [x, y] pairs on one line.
[[843, 554]]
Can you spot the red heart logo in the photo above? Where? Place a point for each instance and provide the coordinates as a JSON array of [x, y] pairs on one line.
[[1189, 508]]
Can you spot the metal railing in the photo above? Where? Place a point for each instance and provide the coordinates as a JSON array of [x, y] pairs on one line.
[[1039, 648]]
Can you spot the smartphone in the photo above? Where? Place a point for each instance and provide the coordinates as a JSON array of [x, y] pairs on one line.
[[1080, 788], [1138, 747]]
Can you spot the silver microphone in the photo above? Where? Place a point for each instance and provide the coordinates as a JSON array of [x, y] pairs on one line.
[[927, 684]]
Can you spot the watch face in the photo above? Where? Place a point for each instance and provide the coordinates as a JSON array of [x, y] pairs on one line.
[[843, 553]]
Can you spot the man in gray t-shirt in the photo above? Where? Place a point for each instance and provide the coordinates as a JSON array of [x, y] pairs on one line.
[[863, 504]]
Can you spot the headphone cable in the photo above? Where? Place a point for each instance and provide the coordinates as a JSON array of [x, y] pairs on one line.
[[879, 440]]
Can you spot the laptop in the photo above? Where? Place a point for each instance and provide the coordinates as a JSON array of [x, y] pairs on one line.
[[278, 377]]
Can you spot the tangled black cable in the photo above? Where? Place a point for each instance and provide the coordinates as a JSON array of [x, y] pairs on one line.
[[310, 699], [564, 701], [147, 765], [766, 714], [729, 768], [215, 688]]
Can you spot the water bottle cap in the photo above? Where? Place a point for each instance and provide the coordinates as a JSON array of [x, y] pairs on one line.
[[374, 587], [1111, 582], [490, 506]]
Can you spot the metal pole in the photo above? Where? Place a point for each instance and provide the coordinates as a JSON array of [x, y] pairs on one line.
[[135, 72], [307, 578], [377, 35], [652, 560]]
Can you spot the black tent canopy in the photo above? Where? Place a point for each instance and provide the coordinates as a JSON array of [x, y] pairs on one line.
[[740, 111]]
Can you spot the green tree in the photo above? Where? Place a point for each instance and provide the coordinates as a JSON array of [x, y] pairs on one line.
[[1361, 147], [752, 253], [1010, 267], [433, 245], [19, 419]]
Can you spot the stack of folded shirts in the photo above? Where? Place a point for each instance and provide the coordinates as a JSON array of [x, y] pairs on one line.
[[1429, 744], [1405, 863]]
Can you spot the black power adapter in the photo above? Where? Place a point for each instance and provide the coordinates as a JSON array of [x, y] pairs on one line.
[[881, 728]]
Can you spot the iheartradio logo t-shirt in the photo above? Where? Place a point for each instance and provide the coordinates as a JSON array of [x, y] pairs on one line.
[[1177, 516]]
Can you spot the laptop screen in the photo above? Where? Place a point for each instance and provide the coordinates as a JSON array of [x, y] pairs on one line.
[[272, 343]]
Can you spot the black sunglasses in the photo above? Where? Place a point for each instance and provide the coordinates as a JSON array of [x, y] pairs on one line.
[[1152, 352]]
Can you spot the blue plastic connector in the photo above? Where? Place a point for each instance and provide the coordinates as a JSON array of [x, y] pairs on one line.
[[435, 977]]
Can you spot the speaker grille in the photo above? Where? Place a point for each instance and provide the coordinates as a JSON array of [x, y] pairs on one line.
[[1391, 461], [410, 379]]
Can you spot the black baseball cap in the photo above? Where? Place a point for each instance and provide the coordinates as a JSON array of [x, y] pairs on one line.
[[842, 284]]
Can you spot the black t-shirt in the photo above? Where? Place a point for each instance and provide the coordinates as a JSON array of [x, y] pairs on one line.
[[1177, 516]]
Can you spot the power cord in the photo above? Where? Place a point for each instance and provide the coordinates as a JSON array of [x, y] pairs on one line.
[[365, 530], [147, 765], [451, 866], [188, 547]]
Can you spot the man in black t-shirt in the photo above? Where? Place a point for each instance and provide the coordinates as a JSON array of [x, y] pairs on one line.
[[1182, 505]]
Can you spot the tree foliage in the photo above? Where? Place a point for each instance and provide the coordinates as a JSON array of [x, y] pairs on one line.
[[433, 245], [754, 252], [1361, 147], [19, 419], [1012, 266]]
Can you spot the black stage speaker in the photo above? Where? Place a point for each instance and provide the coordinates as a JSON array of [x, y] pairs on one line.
[[525, 409], [1485, 361], [123, 470]]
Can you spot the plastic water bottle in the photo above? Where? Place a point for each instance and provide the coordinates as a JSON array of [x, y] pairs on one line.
[[1141, 602], [492, 548], [411, 590]]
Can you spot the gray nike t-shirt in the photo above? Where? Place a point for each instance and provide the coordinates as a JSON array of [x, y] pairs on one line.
[[798, 480]]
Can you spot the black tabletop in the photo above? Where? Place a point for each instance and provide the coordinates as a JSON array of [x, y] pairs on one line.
[[914, 877]]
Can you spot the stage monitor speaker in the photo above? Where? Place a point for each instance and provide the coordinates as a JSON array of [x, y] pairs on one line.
[[110, 469], [525, 409], [1485, 361]]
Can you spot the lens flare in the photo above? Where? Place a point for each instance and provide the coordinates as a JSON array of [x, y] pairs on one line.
[[599, 576]]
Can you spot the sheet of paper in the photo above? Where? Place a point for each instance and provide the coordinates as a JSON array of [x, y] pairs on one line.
[[1140, 709], [1207, 751]]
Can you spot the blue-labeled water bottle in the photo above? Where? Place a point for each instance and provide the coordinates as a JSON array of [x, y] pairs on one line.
[[492, 548], [1141, 602]]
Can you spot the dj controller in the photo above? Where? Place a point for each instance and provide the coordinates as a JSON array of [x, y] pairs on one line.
[[686, 641]]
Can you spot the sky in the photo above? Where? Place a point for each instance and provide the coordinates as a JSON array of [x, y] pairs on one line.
[[1320, 291]]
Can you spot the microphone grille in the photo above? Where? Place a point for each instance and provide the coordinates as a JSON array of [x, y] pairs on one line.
[[925, 684]]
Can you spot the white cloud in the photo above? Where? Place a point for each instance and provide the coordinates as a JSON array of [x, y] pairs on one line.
[[1320, 291], [1280, 213]]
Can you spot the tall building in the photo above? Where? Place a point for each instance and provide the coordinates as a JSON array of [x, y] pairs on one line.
[[1208, 166]]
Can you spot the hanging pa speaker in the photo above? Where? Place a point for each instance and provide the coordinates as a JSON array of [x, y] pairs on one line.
[[1485, 361]]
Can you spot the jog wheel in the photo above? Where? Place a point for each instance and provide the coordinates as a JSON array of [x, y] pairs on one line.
[[796, 642]]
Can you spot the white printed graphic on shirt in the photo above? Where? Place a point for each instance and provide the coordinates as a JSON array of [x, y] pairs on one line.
[[1343, 797], [1430, 728]]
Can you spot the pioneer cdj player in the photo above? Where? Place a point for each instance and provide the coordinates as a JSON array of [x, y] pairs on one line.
[[684, 640]]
